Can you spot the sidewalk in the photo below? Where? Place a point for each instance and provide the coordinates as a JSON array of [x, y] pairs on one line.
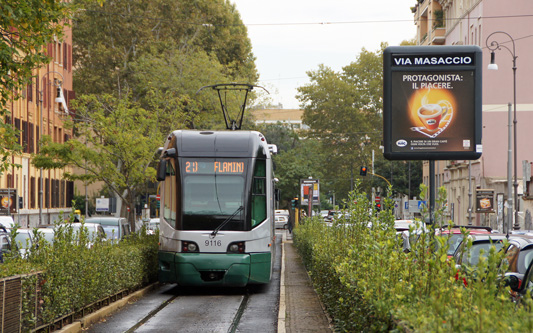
[[300, 309]]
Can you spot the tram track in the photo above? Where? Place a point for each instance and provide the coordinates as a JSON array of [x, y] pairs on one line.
[[238, 315], [172, 308], [151, 314], [197, 310]]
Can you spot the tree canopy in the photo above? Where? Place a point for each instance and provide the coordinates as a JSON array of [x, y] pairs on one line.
[[180, 46], [138, 66], [115, 142], [344, 112]]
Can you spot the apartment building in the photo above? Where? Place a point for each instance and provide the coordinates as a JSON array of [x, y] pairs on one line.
[[481, 22], [40, 111], [288, 117]]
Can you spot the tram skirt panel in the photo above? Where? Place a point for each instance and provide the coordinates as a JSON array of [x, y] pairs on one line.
[[202, 269]]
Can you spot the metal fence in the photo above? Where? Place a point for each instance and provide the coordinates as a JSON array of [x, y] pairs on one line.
[[15, 292]]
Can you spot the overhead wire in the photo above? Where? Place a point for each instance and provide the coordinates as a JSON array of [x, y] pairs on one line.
[[292, 23]]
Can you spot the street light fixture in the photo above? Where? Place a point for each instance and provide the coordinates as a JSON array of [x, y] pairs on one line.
[[493, 46], [61, 100]]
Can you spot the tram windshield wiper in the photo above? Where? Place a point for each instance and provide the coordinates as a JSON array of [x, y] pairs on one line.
[[214, 233]]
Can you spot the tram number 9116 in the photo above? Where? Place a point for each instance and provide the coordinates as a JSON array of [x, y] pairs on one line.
[[213, 242]]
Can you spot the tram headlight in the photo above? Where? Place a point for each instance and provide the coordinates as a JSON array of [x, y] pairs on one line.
[[236, 247], [187, 246]]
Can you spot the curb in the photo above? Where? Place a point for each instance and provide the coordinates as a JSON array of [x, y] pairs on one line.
[[282, 305], [96, 316]]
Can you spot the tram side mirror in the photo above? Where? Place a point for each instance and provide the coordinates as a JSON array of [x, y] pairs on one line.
[[162, 170], [170, 152], [273, 149]]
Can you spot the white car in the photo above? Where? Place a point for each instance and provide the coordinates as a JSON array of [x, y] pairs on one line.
[[24, 241], [281, 222], [152, 226]]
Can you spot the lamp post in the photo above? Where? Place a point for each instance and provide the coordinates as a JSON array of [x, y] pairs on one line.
[[493, 46], [59, 99]]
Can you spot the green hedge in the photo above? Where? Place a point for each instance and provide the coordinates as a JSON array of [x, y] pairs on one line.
[[368, 283], [78, 271]]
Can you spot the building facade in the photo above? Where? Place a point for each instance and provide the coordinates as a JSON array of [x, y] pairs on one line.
[[288, 117], [479, 22], [40, 111]]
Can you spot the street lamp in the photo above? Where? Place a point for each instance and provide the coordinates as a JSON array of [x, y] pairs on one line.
[[493, 46], [59, 99]]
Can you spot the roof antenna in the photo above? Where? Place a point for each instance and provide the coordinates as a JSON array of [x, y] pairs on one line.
[[232, 124]]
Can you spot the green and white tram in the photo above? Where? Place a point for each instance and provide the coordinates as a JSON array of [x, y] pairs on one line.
[[217, 209]]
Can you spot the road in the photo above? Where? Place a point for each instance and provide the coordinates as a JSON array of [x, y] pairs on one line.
[[170, 308]]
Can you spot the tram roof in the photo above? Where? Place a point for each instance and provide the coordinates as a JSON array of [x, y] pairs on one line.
[[220, 143]]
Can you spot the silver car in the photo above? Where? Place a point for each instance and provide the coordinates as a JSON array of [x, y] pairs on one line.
[[281, 222]]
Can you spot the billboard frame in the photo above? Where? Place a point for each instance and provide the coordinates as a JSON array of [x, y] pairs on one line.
[[433, 60]]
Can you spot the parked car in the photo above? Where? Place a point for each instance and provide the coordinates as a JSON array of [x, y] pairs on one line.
[[470, 257], [455, 236], [281, 222], [408, 232], [95, 230], [23, 241], [47, 233], [521, 284], [7, 222], [152, 226], [5, 243], [116, 228]]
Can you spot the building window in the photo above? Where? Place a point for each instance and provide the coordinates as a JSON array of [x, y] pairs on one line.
[[32, 192]]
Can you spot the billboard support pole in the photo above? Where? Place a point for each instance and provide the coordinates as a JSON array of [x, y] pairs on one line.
[[469, 192], [431, 191]]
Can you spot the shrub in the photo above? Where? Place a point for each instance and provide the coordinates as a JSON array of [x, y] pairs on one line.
[[368, 283], [78, 271]]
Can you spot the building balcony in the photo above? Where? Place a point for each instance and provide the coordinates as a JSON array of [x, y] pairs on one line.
[[438, 36]]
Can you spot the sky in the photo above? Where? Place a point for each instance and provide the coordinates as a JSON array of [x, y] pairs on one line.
[[291, 37]]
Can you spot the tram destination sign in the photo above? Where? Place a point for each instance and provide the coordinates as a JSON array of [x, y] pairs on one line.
[[432, 102], [192, 166]]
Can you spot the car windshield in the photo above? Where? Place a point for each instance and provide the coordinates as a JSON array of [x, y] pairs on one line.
[[48, 236], [111, 231], [213, 191], [472, 257], [92, 231], [524, 259], [454, 241], [23, 240]]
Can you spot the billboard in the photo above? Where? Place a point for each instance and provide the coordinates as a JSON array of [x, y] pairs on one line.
[[432, 102], [485, 201], [309, 185], [8, 201]]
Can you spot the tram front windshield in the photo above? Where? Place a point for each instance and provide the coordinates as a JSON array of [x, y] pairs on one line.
[[213, 190]]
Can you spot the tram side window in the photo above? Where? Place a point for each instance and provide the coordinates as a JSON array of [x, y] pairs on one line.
[[259, 200], [169, 205]]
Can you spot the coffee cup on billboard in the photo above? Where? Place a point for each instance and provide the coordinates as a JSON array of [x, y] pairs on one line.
[[431, 115]]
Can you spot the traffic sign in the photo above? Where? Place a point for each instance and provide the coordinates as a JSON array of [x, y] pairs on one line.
[[158, 197]]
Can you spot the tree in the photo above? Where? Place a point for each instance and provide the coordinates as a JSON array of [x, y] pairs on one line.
[[344, 111], [111, 39], [115, 142], [26, 26], [399, 173], [285, 138]]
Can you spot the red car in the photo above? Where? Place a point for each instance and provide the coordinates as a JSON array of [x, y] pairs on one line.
[[455, 237]]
